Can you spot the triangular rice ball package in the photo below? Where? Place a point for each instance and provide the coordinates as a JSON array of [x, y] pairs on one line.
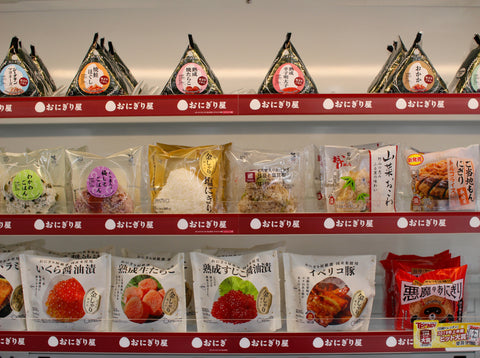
[[416, 73], [467, 79], [42, 68], [192, 75], [288, 74], [96, 76], [123, 67]]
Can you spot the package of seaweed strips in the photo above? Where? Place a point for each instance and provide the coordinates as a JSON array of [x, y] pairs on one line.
[[17, 78], [416, 73], [467, 78], [96, 76], [192, 75], [397, 54], [125, 70], [42, 69], [288, 74]]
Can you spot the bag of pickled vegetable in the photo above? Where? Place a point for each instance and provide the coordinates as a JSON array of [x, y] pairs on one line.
[[467, 77], [192, 75], [98, 75], [237, 293], [360, 180], [108, 185], [288, 74], [148, 295], [442, 181], [33, 182], [329, 293], [65, 294], [187, 179], [416, 73], [267, 182]]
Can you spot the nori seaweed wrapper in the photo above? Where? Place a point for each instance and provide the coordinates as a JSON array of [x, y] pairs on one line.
[[192, 75], [288, 74], [467, 78], [42, 68], [396, 57], [96, 75], [416, 73], [17, 78], [121, 65]]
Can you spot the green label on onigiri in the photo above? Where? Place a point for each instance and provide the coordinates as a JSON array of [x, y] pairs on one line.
[[27, 185]]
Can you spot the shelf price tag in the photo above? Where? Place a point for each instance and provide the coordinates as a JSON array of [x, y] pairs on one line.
[[432, 334]]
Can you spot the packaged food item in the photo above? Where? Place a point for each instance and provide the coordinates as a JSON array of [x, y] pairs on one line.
[[34, 182], [12, 308], [148, 295], [65, 294], [416, 74], [329, 293], [360, 180], [435, 295], [187, 179], [122, 66], [237, 293], [98, 75], [442, 181], [192, 75], [268, 182], [42, 69], [466, 79], [108, 185], [288, 74]]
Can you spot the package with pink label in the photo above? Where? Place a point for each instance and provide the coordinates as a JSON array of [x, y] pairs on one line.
[[109, 185]]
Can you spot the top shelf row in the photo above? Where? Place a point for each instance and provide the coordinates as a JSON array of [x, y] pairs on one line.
[[243, 105]]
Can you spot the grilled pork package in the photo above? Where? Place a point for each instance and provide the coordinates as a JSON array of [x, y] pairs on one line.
[[467, 78], [329, 293], [192, 75], [148, 295], [288, 74], [65, 294], [237, 293]]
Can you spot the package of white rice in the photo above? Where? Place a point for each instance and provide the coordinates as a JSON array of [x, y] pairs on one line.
[[33, 182], [148, 295], [108, 185], [187, 180], [12, 308], [329, 293], [359, 180], [269, 182], [237, 293], [65, 294]]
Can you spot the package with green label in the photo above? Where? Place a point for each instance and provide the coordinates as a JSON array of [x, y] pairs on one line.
[[187, 179], [65, 294], [33, 182], [148, 295], [109, 185], [467, 78], [237, 293], [329, 293]]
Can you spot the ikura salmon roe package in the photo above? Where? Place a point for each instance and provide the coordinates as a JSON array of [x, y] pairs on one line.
[[442, 181], [237, 293], [65, 294], [148, 295], [108, 185], [329, 293], [435, 295]]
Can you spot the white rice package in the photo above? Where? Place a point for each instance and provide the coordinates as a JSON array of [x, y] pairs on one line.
[[33, 182], [360, 180], [237, 293], [108, 185], [148, 295], [65, 294], [12, 308], [329, 293]]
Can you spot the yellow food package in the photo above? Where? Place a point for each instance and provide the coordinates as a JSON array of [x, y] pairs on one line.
[[187, 180]]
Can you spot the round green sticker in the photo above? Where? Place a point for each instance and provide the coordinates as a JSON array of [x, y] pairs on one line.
[[27, 185]]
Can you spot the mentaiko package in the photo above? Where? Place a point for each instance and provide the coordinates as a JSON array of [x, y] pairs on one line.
[[329, 293], [64, 294], [148, 295], [237, 293]]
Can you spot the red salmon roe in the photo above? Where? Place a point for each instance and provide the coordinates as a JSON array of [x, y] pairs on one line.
[[65, 301], [235, 307]]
